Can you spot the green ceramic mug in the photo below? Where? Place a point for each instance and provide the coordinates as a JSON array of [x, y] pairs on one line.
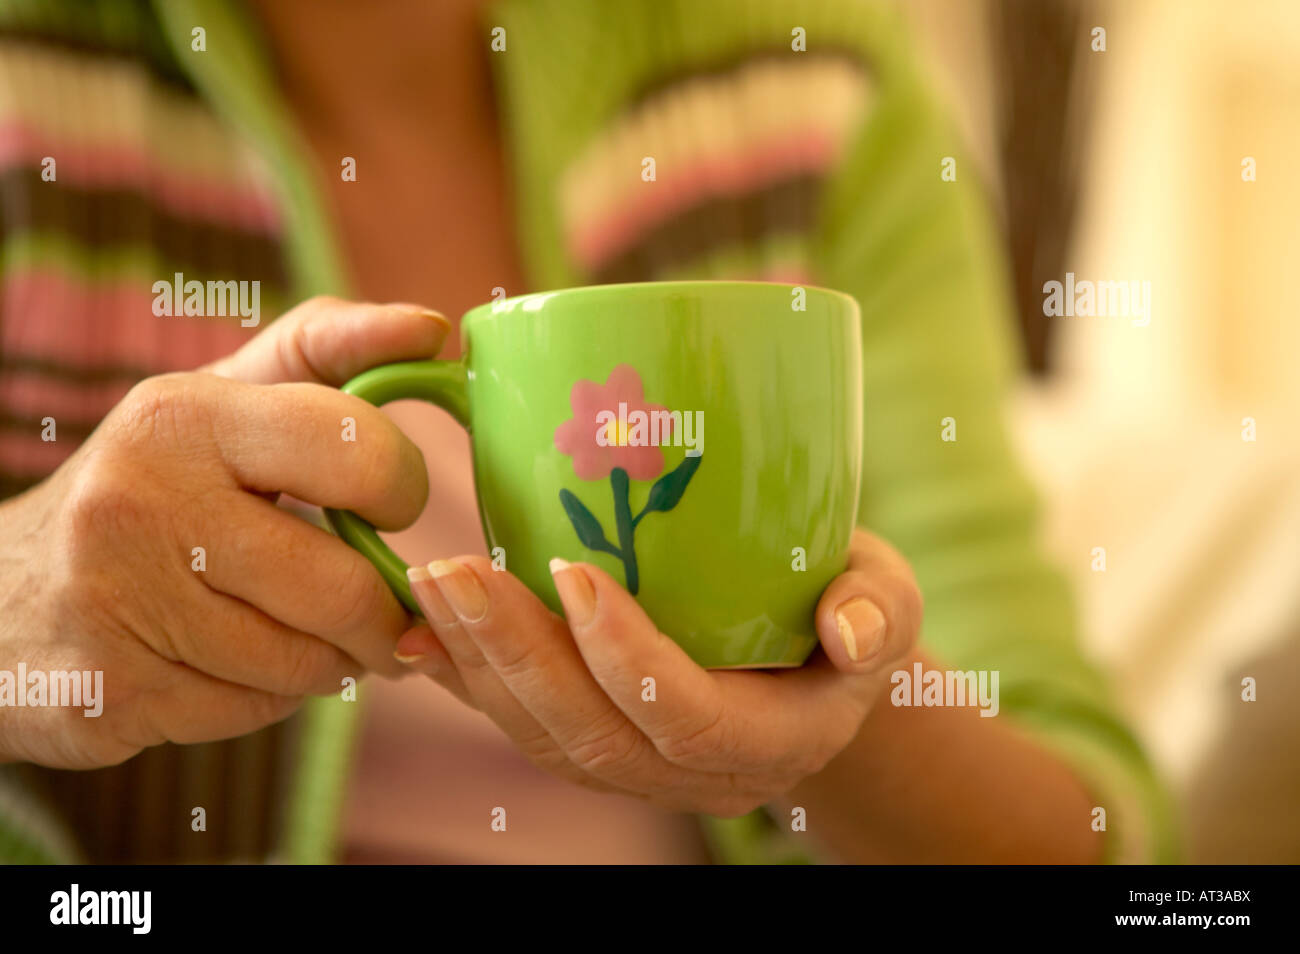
[[700, 441]]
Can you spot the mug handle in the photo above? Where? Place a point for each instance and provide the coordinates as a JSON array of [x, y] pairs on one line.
[[441, 383]]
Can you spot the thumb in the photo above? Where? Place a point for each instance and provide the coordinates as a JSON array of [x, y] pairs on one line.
[[329, 341], [870, 615]]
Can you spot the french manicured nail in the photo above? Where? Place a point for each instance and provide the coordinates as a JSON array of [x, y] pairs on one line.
[[420, 310], [461, 589], [418, 662], [576, 592], [861, 626], [436, 316], [429, 597]]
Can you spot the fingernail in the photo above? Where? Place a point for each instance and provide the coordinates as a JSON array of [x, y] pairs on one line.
[[421, 310], [576, 591], [418, 662], [429, 597], [861, 626], [461, 588], [436, 316]]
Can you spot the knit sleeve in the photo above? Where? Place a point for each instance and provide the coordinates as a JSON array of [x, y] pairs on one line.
[[940, 479]]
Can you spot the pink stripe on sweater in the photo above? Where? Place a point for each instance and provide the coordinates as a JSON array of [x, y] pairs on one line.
[[119, 165], [28, 454], [50, 316], [595, 242]]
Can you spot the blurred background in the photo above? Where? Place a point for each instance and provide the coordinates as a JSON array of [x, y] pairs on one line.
[[1127, 164]]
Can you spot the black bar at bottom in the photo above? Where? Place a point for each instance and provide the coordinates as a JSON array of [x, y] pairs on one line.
[[329, 905]]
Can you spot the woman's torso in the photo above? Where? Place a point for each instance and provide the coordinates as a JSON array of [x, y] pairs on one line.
[[428, 219]]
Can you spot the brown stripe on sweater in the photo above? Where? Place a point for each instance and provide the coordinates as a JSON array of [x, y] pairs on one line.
[[721, 222], [76, 373], [12, 484], [149, 51], [111, 218], [141, 812]]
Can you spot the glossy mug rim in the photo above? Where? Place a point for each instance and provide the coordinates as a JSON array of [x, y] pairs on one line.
[[533, 302]]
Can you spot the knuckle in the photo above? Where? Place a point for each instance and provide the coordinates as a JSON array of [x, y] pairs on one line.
[[137, 727], [806, 758], [308, 669], [158, 407], [539, 745], [103, 501], [294, 345], [542, 752], [811, 760], [700, 745], [267, 708], [182, 640], [412, 475], [612, 745], [174, 644], [521, 665], [799, 761], [316, 306], [858, 581], [361, 597], [841, 727], [474, 667], [289, 355], [382, 465]]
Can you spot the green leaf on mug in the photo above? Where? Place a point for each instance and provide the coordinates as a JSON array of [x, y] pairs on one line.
[[668, 489], [585, 524]]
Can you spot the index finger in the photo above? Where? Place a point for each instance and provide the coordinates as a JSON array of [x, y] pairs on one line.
[[313, 442], [709, 721], [531, 652]]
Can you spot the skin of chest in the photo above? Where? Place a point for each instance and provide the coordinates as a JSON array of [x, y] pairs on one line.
[[405, 90]]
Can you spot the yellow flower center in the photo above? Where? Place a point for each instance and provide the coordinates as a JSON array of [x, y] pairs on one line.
[[616, 433]]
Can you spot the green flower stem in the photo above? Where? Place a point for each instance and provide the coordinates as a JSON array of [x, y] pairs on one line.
[[623, 517]]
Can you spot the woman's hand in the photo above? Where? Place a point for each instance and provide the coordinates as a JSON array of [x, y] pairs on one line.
[[100, 570], [570, 694]]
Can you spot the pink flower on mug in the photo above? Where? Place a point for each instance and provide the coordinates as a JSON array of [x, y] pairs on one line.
[[599, 437], [615, 433]]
